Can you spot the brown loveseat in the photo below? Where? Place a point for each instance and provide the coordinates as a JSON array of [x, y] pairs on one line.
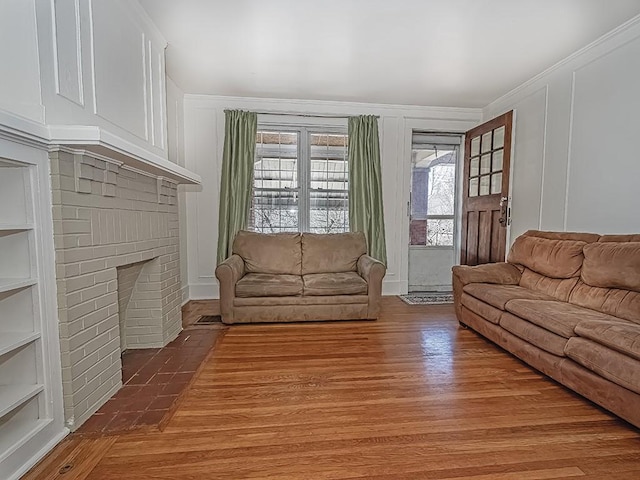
[[568, 304], [288, 277]]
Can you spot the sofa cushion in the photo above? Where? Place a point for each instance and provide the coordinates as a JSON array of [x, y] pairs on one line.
[[499, 295], [558, 317], [618, 335], [332, 253], [343, 283], [610, 364], [552, 258], [478, 307], [558, 288], [540, 337], [580, 236], [268, 285], [612, 301], [612, 265], [275, 253]]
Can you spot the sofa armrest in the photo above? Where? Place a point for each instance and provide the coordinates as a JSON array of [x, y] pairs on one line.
[[228, 273], [372, 271], [499, 273]]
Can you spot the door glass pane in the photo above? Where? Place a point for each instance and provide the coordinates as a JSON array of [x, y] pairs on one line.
[[442, 189], [473, 187], [484, 185], [440, 231], [474, 169], [485, 163], [496, 183], [486, 142], [497, 161], [498, 137], [475, 146]]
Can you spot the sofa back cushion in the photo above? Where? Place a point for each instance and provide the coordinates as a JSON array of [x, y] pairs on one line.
[[580, 236], [274, 253], [332, 253], [548, 257], [612, 265], [559, 288]]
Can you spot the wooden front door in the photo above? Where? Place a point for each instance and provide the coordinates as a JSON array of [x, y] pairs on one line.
[[486, 191]]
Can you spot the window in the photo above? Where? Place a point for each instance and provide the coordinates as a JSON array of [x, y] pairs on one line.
[[433, 185], [300, 182]]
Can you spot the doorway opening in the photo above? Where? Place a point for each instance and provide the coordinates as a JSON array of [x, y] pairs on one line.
[[432, 209]]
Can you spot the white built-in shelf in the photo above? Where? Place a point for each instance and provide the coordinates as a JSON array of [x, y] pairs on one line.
[[24, 430], [12, 340], [12, 396], [8, 284], [9, 228]]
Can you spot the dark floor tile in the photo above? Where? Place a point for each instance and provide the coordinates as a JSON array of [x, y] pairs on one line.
[[96, 423], [182, 377], [122, 421], [138, 404], [163, 378], [173, 389], [112, 406], [163, 402], [152, 417], [151, 390]]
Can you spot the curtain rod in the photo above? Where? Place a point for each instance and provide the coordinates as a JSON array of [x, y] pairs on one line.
[[309, 115]]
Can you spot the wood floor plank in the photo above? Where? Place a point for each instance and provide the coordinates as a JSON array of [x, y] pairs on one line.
[[410, 396]]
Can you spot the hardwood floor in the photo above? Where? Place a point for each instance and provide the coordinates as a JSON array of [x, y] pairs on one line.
[[410, 396]]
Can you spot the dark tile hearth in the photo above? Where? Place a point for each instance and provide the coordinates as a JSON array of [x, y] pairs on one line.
[[153, 380]]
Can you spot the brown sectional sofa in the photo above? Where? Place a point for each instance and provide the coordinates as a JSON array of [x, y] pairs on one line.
[[568, 304], [289, 277]]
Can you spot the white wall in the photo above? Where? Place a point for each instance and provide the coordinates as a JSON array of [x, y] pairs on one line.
[[102, 64], [204, 134], [575, 164], [19, 68], [175, 144]]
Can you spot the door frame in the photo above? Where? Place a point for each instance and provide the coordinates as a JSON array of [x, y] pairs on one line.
[[404, 163]]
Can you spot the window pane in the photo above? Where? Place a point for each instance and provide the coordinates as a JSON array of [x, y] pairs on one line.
[[498, 137], [276, 162], [274, 211], [475, 146], [473, 187], [497, 161], [329, 212], [484, 185], [440, 232], [329, 166], [442, 188], [486, 142], [418, 232]]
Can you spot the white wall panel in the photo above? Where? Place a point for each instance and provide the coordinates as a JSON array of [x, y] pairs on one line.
[[527, 163], [67, 50], [585, 153], [19, 68], [119, 62], [604, 168]]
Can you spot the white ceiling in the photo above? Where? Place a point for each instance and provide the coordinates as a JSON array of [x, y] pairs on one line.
[[461, 53]]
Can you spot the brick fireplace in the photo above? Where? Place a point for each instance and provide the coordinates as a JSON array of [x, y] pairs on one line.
[[117, 271]]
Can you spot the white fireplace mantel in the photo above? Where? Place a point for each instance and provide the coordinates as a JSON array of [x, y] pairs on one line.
[[93, 140]]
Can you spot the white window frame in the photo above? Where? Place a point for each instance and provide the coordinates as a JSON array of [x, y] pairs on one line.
[[304, 164]]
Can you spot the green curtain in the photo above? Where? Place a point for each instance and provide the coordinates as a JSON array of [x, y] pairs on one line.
[[237, 177], [365, 184]]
